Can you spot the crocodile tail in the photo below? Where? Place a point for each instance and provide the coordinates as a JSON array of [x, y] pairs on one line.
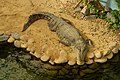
[[36, 16]]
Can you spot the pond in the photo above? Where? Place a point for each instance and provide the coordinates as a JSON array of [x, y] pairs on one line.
[[15, 64]]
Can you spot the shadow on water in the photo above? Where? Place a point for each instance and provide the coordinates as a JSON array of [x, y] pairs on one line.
[[5, 50], [16, 64]]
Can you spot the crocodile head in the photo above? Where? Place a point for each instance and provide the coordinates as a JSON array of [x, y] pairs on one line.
[[81, 48]]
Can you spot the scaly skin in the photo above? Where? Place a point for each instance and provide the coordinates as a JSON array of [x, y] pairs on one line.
[[68, 34]]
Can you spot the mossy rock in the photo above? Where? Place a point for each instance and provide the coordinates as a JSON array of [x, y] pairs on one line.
[[17, 61]]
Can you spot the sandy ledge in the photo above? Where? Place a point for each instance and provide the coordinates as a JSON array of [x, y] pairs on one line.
[[43, 43]]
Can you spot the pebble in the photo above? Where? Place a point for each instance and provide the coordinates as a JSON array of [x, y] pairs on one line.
[[45, 58], [51, 62], [4, 37], [71, 62], [62, 57], [97, 54], [17, 43], [23, 45], [90, 61], [80, 63], [37, 54], [115, 50], [11, 39], [47, 53], [85, 10], [106, 52], [101, 60], [28, 48], [32, 53], [90, 55], [109, 56], [72, 59], [15, 35]]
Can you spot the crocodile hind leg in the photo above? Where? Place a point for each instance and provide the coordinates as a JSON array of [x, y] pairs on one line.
[[64, 41]]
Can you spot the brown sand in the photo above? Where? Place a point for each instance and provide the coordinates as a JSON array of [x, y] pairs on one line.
[[14, 13]]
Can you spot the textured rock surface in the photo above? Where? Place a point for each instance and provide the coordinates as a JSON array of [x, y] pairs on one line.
[[19, 65], [38, 35]]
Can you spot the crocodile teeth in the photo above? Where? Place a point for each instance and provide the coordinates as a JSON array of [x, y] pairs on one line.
[[97, 54], [11, 39], [101, 60], [17, 43], [62, 57]]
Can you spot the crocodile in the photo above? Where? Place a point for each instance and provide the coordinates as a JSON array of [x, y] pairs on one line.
[[68, 34]]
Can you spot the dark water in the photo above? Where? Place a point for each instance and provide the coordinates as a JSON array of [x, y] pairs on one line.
[[15, 65]]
